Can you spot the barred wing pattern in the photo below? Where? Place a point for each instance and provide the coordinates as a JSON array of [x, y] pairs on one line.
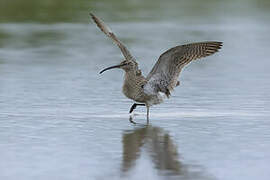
[[102, 26], [163, 77]]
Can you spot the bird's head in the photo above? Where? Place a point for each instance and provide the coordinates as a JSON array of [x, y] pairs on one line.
[[126, 65]]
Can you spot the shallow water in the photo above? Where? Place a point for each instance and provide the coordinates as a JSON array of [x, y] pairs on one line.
[[60, 119]]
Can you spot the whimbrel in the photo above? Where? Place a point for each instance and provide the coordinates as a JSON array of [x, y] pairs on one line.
[[163, 78]]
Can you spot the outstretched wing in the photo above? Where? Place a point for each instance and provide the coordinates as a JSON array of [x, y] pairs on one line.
[[102, 26], [163, 77]]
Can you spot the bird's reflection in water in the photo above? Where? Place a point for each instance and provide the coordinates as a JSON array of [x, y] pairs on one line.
[[156, 145]]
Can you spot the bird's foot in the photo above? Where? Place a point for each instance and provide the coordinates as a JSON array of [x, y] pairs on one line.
[[131, 119]]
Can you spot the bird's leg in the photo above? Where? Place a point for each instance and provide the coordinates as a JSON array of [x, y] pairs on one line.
[[131, 120], [134, 107], [147, 107], [131, 110]]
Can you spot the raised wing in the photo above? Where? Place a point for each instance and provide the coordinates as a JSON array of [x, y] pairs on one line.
[[163, 77], [102, 26]]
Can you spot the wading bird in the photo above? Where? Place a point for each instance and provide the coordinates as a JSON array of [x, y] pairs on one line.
[[163, 78]]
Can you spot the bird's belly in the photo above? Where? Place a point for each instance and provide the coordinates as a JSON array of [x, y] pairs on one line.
[[156, 99], [128, 94], [137, 96]]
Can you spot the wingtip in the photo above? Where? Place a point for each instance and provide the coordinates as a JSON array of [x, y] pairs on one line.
[[219, 46], [92, 16], [220, 43]]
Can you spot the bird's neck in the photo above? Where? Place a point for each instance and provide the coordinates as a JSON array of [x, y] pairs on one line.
[[130, 76], [133, 75]]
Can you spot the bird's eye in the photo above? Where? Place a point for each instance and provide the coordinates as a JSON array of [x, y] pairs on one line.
[[142, 86]]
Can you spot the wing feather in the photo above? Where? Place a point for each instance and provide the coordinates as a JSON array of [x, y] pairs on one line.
[[163, 77], [106, 30]]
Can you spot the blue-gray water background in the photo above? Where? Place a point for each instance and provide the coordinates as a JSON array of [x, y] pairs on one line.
[[60, 119]]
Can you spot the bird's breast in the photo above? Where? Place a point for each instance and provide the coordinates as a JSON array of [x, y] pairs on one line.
[[133, 91], [133, 88]]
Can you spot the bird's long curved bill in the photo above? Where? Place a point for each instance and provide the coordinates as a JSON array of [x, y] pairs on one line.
[[111, 67]]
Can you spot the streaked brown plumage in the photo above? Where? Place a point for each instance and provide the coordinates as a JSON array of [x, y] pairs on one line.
[[163, 78]]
